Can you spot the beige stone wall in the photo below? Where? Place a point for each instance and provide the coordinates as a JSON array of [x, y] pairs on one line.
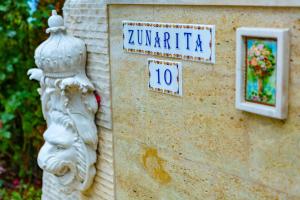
[[199, 147], [273, 3]]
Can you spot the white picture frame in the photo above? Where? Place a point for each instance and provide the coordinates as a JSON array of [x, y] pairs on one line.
[[257, 49]]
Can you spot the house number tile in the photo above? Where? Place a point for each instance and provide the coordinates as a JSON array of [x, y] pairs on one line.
[[165, 76]]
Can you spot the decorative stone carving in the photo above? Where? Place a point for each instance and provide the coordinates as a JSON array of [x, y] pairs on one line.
[[69, 106]]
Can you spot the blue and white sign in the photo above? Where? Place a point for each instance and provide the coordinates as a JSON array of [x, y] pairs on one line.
[[185, 41], [165, 76]]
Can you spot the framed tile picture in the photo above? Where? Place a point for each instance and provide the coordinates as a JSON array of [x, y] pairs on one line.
[[262, 70]]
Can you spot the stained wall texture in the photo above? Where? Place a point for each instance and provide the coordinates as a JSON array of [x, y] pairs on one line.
[[199, 146], [87, 19]]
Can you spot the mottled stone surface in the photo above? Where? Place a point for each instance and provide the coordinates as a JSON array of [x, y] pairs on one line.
[[199, 146]]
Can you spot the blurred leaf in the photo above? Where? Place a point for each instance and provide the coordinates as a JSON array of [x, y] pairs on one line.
[[2, 76], [11, 33], [3, 8], [9, 68], [21, 31], [6, 117], [5, 134], [16, 196]]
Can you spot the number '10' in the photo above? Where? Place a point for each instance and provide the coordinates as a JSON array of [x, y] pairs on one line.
[[167, 76]]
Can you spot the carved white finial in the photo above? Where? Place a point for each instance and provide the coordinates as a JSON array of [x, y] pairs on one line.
[[54, 12], [55, 20]]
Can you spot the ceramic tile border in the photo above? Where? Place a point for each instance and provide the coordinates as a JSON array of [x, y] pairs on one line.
[[211, 29], [269, 3]]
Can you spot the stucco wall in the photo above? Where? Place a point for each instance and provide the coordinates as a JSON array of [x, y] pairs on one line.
[[199, 146]]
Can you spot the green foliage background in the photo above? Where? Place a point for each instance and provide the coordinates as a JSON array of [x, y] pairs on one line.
[[21, 121]]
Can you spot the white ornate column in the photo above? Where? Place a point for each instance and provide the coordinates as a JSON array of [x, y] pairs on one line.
[[69, 105]]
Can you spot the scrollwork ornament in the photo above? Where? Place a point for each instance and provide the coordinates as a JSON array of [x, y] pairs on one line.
[[69, 106]]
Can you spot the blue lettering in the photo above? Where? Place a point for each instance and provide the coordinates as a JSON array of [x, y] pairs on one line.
[[187, 40], [140, 37], [166, 40], [158, 76], [170, 77], [199, 44], [130, 37], [148, 38], [157, 40], [177, 42]]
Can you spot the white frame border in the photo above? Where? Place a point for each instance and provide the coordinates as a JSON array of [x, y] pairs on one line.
[[280, 109]]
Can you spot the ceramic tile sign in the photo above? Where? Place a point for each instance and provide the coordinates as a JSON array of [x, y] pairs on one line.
[[184, 41], [165, 76], [262, 71]]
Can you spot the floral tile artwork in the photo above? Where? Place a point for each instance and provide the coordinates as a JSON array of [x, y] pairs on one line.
[[260, 83]]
